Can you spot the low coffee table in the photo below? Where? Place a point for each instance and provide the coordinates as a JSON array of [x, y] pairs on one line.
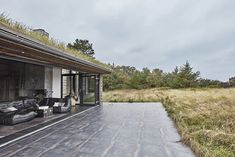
[[44, 111]]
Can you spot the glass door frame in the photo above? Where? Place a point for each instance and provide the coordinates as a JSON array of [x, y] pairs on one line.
[[80, 86], [96, 88], [72, 83]]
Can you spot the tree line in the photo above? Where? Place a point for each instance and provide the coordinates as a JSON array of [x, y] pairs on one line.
[[127, 77], [124, 77]]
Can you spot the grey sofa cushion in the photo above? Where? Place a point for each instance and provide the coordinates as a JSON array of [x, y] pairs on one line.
[[22, 118], [8, 109], [64, 107]]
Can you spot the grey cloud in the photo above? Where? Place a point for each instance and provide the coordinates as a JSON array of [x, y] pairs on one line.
[[149, 33]]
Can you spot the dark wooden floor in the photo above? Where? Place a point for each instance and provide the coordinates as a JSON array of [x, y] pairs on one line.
[[111, 130], [11, 129], [20, 129]]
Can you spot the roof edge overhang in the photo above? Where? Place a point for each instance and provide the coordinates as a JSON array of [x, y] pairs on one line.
[[14, 44]]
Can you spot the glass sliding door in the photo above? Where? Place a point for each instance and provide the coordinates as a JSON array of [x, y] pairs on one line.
[[70, 83], [89, 90], [89, 95], [84, 86]]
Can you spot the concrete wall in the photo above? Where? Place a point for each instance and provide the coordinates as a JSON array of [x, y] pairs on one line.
[[33, 79], [101, 88], [56, 82], [48, 80]]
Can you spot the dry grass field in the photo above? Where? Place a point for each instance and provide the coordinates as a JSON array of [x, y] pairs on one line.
[[205, 118]]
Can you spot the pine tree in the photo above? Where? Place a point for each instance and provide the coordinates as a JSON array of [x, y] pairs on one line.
[[83, 46]]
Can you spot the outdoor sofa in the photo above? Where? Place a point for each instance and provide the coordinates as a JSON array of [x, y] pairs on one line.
[[63, 106], [59, 105], [15, 112]]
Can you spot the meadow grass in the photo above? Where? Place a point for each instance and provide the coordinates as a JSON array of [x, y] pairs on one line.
[[205, 118]]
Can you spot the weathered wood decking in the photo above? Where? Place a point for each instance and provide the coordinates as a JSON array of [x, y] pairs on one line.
[[111, 130]]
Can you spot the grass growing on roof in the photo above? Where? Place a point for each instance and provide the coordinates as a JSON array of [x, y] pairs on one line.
[[27, 31]]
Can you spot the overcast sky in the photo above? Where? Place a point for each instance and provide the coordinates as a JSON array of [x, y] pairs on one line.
[[141, 33]]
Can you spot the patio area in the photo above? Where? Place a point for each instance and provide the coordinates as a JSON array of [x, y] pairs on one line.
[[9, 132], [110, 130]]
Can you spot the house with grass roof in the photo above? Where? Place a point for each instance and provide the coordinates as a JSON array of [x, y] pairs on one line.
[[32, 63]]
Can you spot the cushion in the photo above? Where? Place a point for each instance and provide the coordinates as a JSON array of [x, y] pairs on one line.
[[8, 109], [56, 104], [43, 107]]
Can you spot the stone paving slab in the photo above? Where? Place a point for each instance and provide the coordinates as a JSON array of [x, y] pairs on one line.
[[111, 130]]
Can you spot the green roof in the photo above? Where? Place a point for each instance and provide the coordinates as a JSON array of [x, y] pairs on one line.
[[27, 31]]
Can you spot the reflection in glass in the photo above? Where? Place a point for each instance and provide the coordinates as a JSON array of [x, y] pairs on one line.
[[89, 90]]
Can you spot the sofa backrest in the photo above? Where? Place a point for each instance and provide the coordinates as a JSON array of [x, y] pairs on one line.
[[50, 101]]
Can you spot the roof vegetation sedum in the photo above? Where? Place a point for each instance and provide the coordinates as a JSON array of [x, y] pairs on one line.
[[27, 31]]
